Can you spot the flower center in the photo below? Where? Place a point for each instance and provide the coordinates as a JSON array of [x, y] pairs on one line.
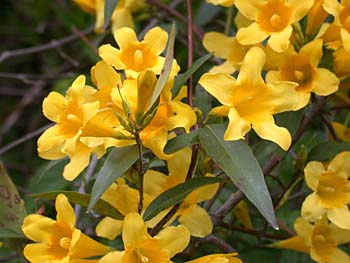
[[275, 21], [141, 258], [73, 118], [299, 75], [65, 242], [138, 57]]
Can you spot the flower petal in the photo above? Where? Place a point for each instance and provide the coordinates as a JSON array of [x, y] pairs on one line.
[[125, 38], [251, 35], [341, 163], [225, 67], [54, 105], [104, 76], [218, 43], [154, 182], [237, 126], [253, 63], [181, 115], [156, 39], [249, 9], [325, 82], [114, 257], [156, 141], [121, 17], [313, 171], [197, 221], [345, 36], [111, 55], [44, 253], [300, 9], [50, 144], [78, 162], [279, 41], [312, 208], [134, 230], [179, 165], [294, 243], [284, 97], [173, 240], [304, 230], [313, 51], [340, 216], [65, 213], [109, 228]]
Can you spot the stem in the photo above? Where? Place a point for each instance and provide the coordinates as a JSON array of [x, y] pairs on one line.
[[141, 171], [229, 21], [154, 231], [190, 51]]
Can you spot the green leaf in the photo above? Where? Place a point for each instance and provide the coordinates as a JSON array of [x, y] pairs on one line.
[[101, 206], [182, 141], [237, 160], [327, 150], [108, 11], [176, 195], [168, 63], [12, 210], [181, 79], [116, 164]]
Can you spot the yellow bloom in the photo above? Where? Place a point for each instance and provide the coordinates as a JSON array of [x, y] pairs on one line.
[[217, 258], [319, 240], [121, 16], [302, 68], [59, 241], [342, 132], [134, 56], [272, 18], [331, 188], [194, 217], [315, 17], [341, 63], [341, 13], [141, 247], [249, 102], [225, 47], [225, 3], [125, 199]]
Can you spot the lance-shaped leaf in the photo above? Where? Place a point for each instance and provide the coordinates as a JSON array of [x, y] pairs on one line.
[[116, 164], [181, 141], [181, 79], [108, 11], [168, 63], [327, 150], [176, 195], [12, 210], [101, 206], [236, 159]]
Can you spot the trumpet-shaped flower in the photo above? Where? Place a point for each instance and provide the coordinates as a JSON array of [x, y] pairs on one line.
[[302, 68], [217, 258], [134, 56], [319, 240], [249, 102], [315, 17], [273, 19], [341, 131], [341, 63], [331, 188], [141, 247], [341, 13], [81, 128], [121, 16], [59, 241], [194, 217]]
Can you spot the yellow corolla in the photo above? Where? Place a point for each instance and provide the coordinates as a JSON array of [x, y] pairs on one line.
[[134, 56], [141, 247], [217, 258], [302, 68], [121, 16], [319, 240], [315, 17], [225, 3], [191, 215], [58, 240], [331, 188], [341, 13], [341, 131], [81, 128], [271, 18], [249, 102]]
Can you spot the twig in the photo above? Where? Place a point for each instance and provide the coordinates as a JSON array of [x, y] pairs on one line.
[[141, 171], [233, 200], [154, 231], [229, 20], [226, 247]]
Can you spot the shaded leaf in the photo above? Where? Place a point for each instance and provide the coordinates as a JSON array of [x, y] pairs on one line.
[[176, 195], [116, 164], [182, 141], [101, 206], [108, 11], [12, 210], [236, 159], [327, 150]]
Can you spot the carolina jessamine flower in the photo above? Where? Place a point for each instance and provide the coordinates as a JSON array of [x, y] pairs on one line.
[[134, 56], [315, 17], [273, 19], [342, 132], [341, 63], [302, 68], [194, 217], [80, 129], [319, 240], [331, 188], [125, 199], [249, 102], [141, 247], [227, 48], [59, 241], [121, 16], [225, 3], [217, 258], [341, 13]]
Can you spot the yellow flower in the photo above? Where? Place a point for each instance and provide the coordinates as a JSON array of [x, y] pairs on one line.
[[217, 258], [341, 63], [59, 241], [302, 68], [141, 247], [315, 17], [272, 18], [319, 240], [341, 13], [331, 188], [125, 199], [121, 16], [225, 47], [249, 102], [342, 132], [134, 56], [194, 217], [225, 3]]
